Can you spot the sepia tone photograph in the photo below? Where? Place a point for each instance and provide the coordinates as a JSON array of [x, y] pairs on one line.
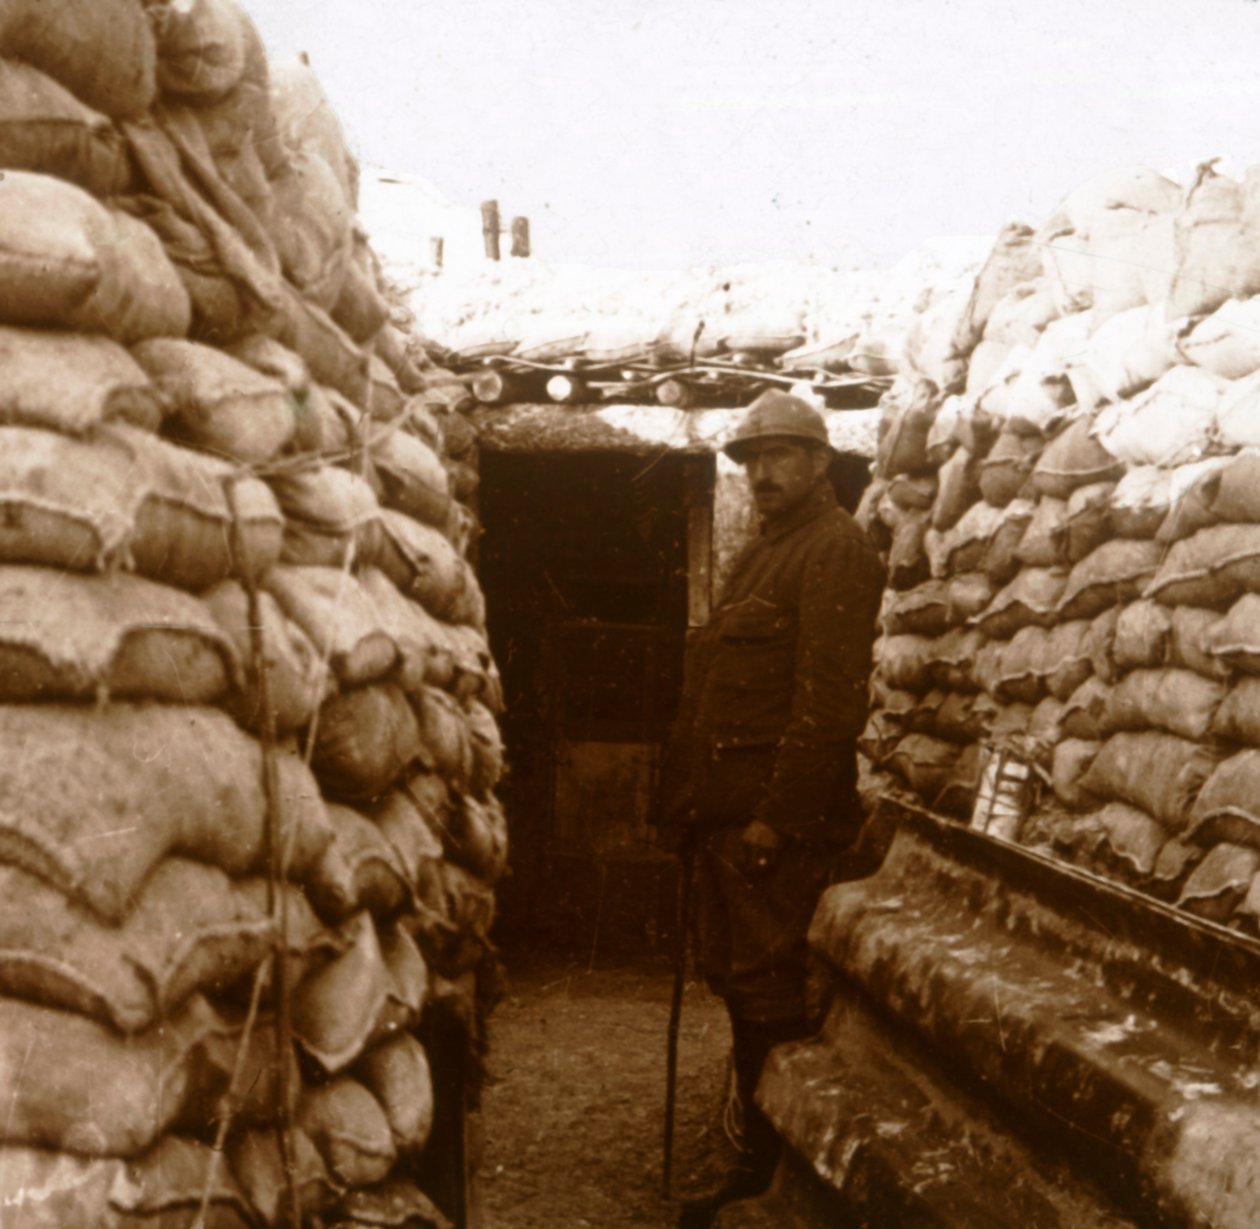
[[628, 615]]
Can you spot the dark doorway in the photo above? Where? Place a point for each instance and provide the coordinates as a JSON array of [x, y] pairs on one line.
[[585, 566]]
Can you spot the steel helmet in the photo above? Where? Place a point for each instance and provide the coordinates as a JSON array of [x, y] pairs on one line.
[[777, 413]]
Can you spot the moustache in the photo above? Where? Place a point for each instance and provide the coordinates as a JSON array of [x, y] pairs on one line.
[[767, 488]]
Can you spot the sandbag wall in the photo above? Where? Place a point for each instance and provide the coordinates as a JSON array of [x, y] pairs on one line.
[[248, 829], [1068, 492]]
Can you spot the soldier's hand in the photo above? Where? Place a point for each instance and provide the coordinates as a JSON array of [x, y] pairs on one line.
[[760, 846]]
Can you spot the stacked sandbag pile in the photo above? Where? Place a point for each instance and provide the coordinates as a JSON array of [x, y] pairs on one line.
[[1068, 490], [248, 830]]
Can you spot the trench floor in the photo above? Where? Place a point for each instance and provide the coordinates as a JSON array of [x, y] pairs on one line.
[[573, 1115]]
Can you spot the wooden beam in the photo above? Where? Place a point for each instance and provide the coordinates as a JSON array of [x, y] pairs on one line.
[[520, 236], [490, 228]]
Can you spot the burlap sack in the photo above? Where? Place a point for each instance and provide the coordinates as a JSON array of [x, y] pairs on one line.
[[1000, 561], [1126, 354], [1226, 342], [923, 763], [1216, 240], [1133, 840], [1143, 631], [1192, 494], [386, 401], [905, 662], [1234, 494], [101, 50], [958, 488], [68, 262], [336, 1009], [188, 781], [412, 477], [1179, 701], [296, 682], [306, 120], [1074, 458], [1237, 419], [359, 870], [1212, 568], [333, 357], [73, 1085], [397, 1074], [1114, 573], [339, 618], [313, 230], [68, 636], [72, 382], [1086, 522], [1170, 424], [1238, 718], [331, 515], [1228, 806], [953, 658], [166, 1186], [1159, 773], [43, 1189], [255, 1160], [907, 560], [1234, 640], [1087, 711], [1190, 642], [360, 308], [412, 819], [913, 492], [1008, 466], [1220, 883], [45, 128], [407, 361], [1031, 599], [487, 748], [964, 547], [394, 1204], [1039, 548], [479, 837], [349, 1127], [425, 567], [1071, 760], [219, 404], [1101, 643], [367, 739], [201, 49]]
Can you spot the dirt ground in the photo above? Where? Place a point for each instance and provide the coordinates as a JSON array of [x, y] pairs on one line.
[[573, 1116]]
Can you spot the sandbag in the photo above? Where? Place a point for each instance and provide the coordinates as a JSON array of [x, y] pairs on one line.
[[905, 662], [1045, 729], [424, 567], [1227, 343], [1234, 491], [77, 1086], [1069, 658], [1228, 806], [167, 1185], [913, 492], [1125, 354], [1114, 573], [259, 1168], [1143, 630], [349, 1127], [923, 610], [965, 546], [306, 120], [42, 1189], [1021, 315], [201, 49], [1238, 414], [957, 795], [1179, 701], [1008, 466], [1086, 522], [191, 929], [339, 618], [1133, 838], [923, 763], [1071, 761], [1038, 548], [903, 445], [336, 1009], [68, 262], [1101, 643], [360, 308], [411, 818], [219, 404], [479, 837], [1194, 490], [1030, 391], [1031, 599], [1238, 718], [333, 357], [359, 870], [45, 128], [73, 637], [296, 682], [386, 401], [1220, 882], [427, 652], [397, 1074], [907, 560], [958, 487], [446, 744], [1087, 711], [72, 382], [1072, 459], [331, 515], [1014, 671], [313, 232], [367, 739], [954, 658], [1170, 424], [1190, 642], [1146, 495], [1160, 774], [101, 50], [188, 781], [1013, 261], [1235, 639], [1001, 562], [1212, 568], [1216, 246], [412, 477]]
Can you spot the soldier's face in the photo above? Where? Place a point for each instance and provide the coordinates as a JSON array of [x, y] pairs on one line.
[[782, 473]]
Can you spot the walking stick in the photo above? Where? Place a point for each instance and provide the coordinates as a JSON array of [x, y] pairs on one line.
[[685, 885]]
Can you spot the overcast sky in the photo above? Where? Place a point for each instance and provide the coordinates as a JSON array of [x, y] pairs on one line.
[[674, 132]]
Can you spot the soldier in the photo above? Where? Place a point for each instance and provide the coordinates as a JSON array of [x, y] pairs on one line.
[[760, 774]]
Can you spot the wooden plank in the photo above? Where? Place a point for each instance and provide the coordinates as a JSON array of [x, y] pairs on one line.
[[699, 564]]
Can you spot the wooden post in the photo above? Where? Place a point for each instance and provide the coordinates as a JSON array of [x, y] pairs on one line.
[[570, 390], [490, 228], [436, 251], [520, 236]]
